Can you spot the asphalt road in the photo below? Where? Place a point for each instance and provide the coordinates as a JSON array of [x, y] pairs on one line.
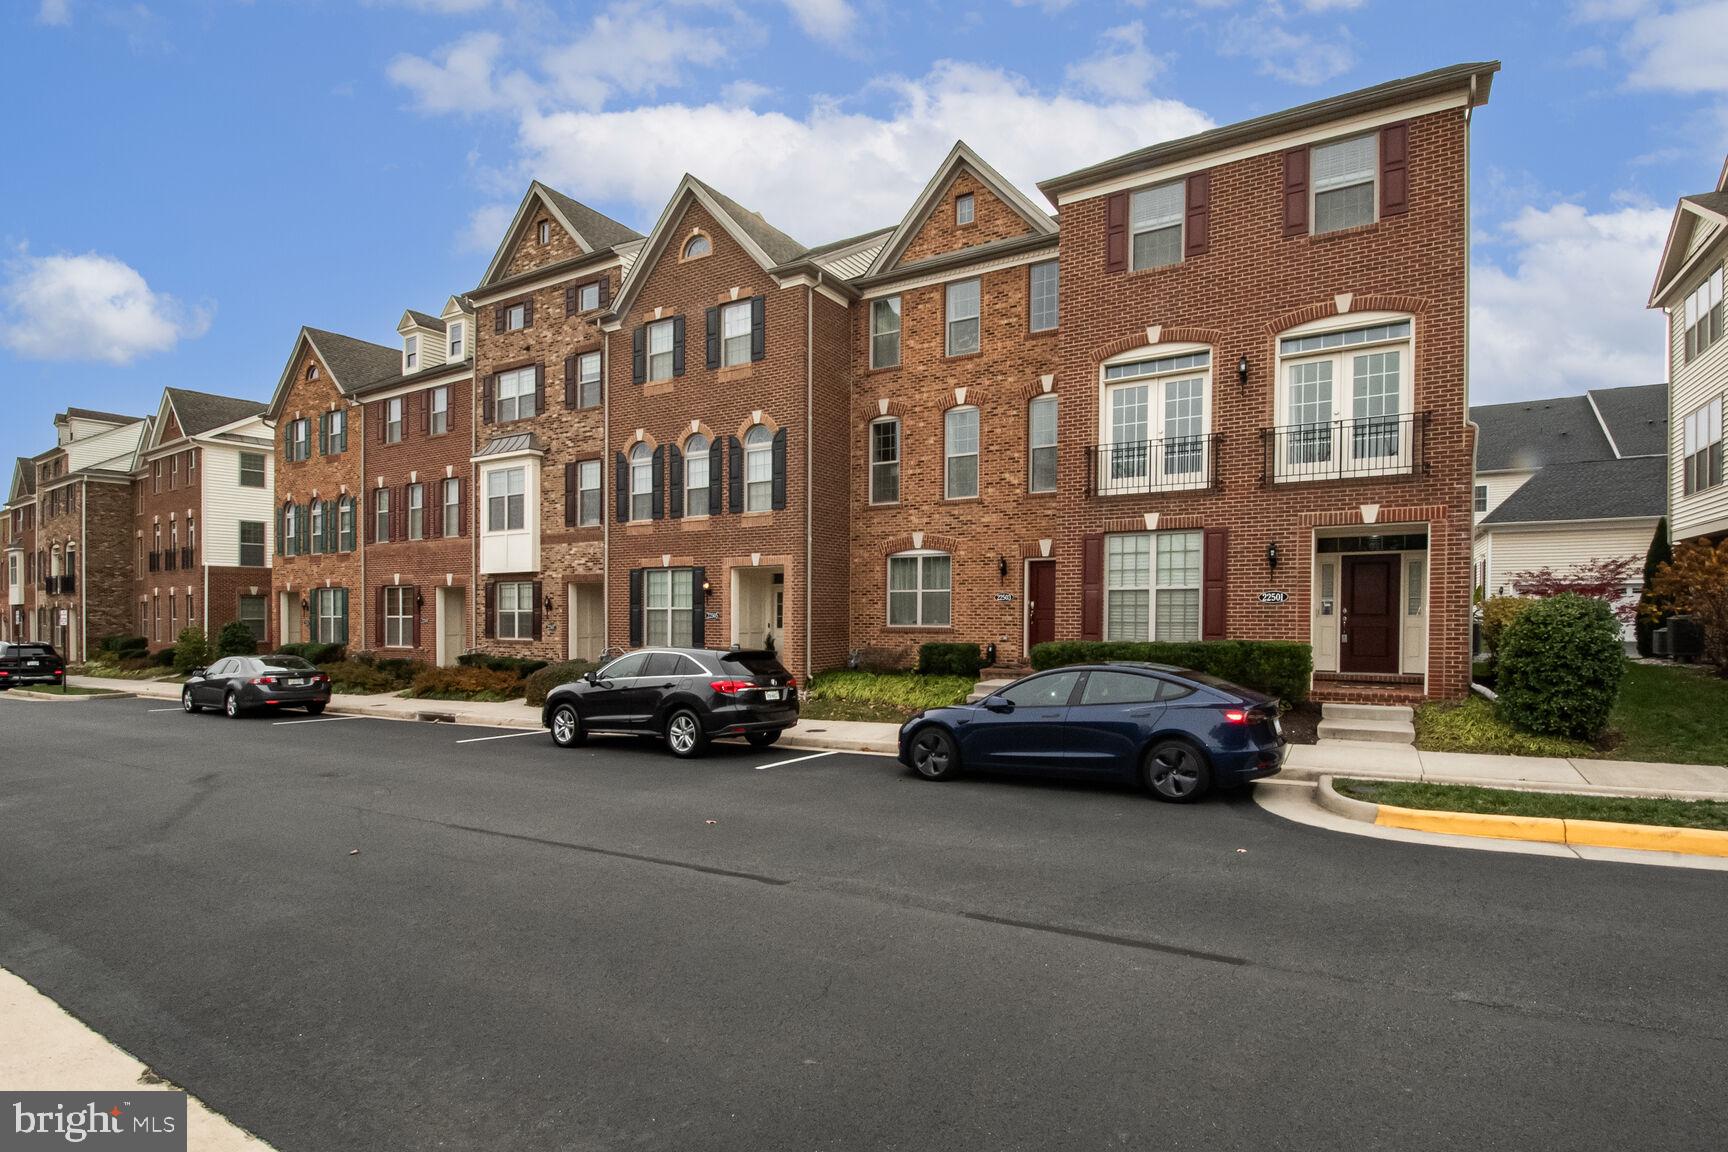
[[609, 948]]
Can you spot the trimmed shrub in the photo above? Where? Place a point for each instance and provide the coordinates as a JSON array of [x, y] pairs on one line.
[[1560, 666], [466, 684], [1652, 609], [950, 659], [236, 639], [538, 684], [1280, 668], [1498, 612], [319, 654], [191, 650], [124, 646], [516, 665], [370, 677]]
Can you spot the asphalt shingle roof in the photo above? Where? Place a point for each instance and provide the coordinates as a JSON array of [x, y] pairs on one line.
[[600, 230], [1588, 490], [1715, 201], [1636, 416], [106, 417], [27, 473], [199, 412], [355, 363], [427, 321], [1532, 434], [781, 248]]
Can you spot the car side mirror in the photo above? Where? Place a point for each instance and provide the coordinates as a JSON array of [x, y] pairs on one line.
[[591, 676], [999, 704], [197, 672]]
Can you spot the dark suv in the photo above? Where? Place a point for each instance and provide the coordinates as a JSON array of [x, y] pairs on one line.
[[30, 663], [687, 696]]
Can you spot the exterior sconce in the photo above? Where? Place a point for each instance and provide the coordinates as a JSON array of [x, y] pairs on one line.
[[1272, 554], [1242, 370], [305, 606], [548, 605], [1001, 567], [706, 589]]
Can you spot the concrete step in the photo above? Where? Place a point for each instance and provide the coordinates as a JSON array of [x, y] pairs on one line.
[[1368, 731], [1398, 712], [986, 688]]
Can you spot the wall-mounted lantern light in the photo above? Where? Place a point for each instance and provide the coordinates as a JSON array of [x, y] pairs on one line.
[[1242, 370], [1272, 554]]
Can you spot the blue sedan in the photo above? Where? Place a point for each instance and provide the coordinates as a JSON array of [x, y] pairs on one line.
[[1179, 733]]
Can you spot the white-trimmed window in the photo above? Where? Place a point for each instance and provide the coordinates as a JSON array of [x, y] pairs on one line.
[[516, 317], [667, 597], [1341, 176], [696, 475], [457, 331], [588, 380], [393, 420], [398, 617], [506, 500], [452, 504], [965, 208], [1155, 225], [963, 313], [252, 543], [1481, 499], [735, 334], [1703, 315], [514, 399], [345, 524], [758, 469], [1345, 400], [411, 353], [920, 590], [1415, 581], [251, 469], [697, 245], [1152, 586], [299, 440], [254, 613], [1155, 413], [330, 615], [336, 431], [660, 357], [588, 296], [1041, 444], [515, 611], [885, 332], [416, 511], [438, 410], [588, 493], [885, 460], [544, 233], [317, 533], [641, 482], [1044, 295], [1701, 448], [960, 453], [381, 515]]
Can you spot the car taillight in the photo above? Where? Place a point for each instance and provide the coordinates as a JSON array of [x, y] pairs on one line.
[[791, 681], [1236, 716], [730, 687], [320, 679], [262, 680]]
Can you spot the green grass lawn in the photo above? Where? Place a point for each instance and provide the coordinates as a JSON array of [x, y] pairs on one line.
[[1666, 713], [884, 697], [1711, 814]]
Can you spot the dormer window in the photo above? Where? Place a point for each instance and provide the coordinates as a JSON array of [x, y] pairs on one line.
[[965, 208], [456, 334], [545, 233], [411, 353], [697, 245]]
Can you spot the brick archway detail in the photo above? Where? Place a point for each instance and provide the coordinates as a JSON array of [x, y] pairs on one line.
[[874, 410], [1367, 302], [932, 543], [767, 422], [1170, 334], [701, 429], [1030, 392]]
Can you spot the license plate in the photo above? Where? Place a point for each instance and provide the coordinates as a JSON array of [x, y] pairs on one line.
[[33, 664], [773, 694], [294, 683]]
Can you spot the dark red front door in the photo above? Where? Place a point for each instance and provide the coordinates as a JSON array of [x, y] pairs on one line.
[[1369, 628], [1040, 601]]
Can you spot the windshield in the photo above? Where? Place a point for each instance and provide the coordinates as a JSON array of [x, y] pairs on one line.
[[26, 650], [289, 664]]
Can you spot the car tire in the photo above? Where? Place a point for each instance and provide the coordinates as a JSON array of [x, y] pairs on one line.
[[1176, 772], [762, 739], [186, 702], [231, 706], [315, 709], [684, 735], [933, 754], [566, 727]]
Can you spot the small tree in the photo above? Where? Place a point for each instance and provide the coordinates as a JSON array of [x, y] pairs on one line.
[[1498, 613], [1653, 609], [236, 639], [1560, 666], [1598, 578], [1696, 582], [191, 650]]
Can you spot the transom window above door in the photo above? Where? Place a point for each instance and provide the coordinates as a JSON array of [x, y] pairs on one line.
[[1345, 402], [1155, 422]]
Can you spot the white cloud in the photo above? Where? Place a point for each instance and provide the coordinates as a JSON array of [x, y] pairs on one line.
[[486, 227], [441, 7], [828, 20], [1123, 68], [462, 79], [89, 307], [635, 50], [54, 12], [833, 171], [1283, 53], [1679, 49], [1534, 333], [745, 92]]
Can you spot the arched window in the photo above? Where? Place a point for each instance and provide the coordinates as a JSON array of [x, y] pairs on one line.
[[311, 371], [290, 531], [697, 245], [758, 469], [317, 533], [641, 482], [696, 476], [1345, 398]]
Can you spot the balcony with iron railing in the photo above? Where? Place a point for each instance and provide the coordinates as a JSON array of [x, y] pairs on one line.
[[168, 557], [186, 558], [1168, 464], [1358, 448], [155, 561]]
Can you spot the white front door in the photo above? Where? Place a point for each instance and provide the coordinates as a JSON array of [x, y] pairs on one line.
[[587, 630], [288, 617], [452, 619], [758, 608]]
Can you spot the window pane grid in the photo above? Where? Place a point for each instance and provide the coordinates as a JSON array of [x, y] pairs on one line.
[[735, 334], [961, 426], [1044, 296], [1152, 586], [885, 462], [963, 312], [885, 333]]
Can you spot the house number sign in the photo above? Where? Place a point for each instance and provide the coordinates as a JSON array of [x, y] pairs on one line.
[[1004, 597], [1274, 597], [710, 615]]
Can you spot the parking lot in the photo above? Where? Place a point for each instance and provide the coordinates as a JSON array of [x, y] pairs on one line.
[[352, 932]]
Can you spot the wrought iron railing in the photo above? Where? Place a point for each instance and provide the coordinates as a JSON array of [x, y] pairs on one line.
[[1169, 464], [1345, 449], [185, 557], [155, 561]]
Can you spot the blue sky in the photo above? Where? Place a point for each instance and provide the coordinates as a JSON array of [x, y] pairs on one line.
[[188, 181]]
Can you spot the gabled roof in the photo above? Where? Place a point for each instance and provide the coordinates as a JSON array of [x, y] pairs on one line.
[[23, 480], [766, 244], [1588, 490], [1705, 209], [959, 157], [1635, 418], [201, 412], [352, 363], [93, 415], [593, 231], [411, 318], [1530, 434]]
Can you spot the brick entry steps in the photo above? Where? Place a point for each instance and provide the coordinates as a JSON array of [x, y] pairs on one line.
[[1367, 723]]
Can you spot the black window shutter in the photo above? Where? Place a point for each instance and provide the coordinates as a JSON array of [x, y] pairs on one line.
[[735, 468], [569, 299], [621, 487], [528, 312], [714, 337], [779, 456], [635, 607], [539, 619], [639, 355], [605, 291], [657, 486], [675, 481], [698, 609], [570, 397], [539, 389], [487, 390], [570, 495], [491, 610], [498, 327], [758, 327], [324, 434], [715, 452], [678, 345]]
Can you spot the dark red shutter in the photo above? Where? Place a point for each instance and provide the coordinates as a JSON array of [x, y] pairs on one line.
[[1116, 232], [413, 593], [539, 621], [1395, 169], [378, 639], [570, 495], [1296, 191], [1092, 586], [491, 628], [488, 388], [400, 509], [570, 397], [1195, 234], [569, 299], [381, 416], [461, 507], [1214, 575]]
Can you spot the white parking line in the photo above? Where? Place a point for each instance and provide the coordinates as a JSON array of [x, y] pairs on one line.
[[796, 760], [167, 709], [505, 736], [315, 720]]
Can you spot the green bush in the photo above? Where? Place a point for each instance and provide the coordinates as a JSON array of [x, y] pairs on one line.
[[163, 658], [370, 677], [950, 659], [1559, 668], [1652, 609], [191, 650], [1280, 668], [319, 654], [484, 684], [538, 684], [1474, 726], [516, 665], [1498, 613], [905, 690], [124, 646], [236, 639]]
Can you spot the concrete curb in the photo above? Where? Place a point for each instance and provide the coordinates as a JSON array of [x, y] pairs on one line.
[[56, 698], [1540, 829], [1305, 774]]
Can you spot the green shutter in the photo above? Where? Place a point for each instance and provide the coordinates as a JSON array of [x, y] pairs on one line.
[[342, 614]]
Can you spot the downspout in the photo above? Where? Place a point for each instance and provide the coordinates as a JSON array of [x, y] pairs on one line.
[[475, 599], [83, 569], [359, 537], [809, 458], [605, 512]]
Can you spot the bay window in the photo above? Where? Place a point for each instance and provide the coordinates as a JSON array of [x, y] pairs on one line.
[[506, 495]]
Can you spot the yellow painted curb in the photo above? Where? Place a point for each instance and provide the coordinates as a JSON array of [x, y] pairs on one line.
[[1648, 837], [1542, 828]]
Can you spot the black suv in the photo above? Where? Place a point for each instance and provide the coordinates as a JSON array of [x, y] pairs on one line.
[[30, 663], [688, 696]]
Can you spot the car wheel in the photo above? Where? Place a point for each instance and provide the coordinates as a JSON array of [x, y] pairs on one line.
[[231, 705], [1177, 771], [684, 735], [186, 701], [762, 739], [933, 754], [315, 709], [567, 727]]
